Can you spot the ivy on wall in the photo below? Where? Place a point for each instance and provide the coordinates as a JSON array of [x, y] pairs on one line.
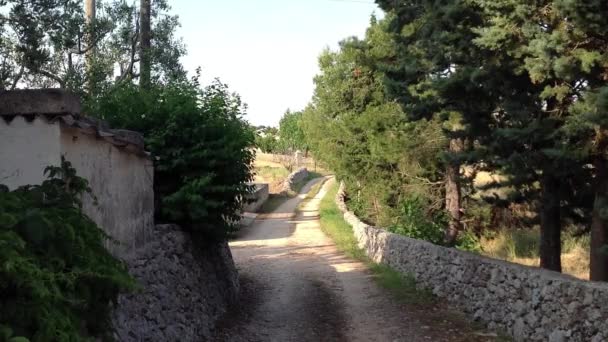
[[57, 280]]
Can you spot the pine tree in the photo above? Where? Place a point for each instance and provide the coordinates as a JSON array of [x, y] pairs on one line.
[[436, 74], [530, 143], [581, 57]]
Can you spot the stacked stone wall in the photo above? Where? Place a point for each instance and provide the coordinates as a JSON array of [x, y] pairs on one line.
[[257, 198], [183, 291], [289, 185], [531, 304]]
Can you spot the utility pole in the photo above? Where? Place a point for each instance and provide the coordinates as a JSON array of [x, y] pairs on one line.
[[89, 16], [144, 43]]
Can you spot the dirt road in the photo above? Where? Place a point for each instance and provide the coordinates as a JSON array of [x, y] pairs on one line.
[[296, 286]]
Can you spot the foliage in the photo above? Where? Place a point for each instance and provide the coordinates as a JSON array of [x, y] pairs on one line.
[[365, 139], [291, 135], [267, 143], [58, 280], [511, 78], [414, 223], [44, 43], [515, 88], [201, 148]]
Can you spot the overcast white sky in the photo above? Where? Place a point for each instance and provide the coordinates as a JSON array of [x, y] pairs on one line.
[[266, 50]]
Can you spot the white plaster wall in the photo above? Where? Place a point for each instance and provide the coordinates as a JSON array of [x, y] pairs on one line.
[[26, 148], [121, 181]]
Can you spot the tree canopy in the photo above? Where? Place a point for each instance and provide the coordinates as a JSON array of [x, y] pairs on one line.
[[438, 91]]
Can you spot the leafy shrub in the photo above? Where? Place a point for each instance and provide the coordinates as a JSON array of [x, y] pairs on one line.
[[201, 148], [57, 280], [468, 241], [416, 223], [267, 143]]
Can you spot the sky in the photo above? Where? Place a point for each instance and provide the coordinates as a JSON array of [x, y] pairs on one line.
[[266, 50]]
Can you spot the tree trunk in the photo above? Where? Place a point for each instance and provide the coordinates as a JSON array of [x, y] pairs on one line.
[[550, 223], [89, 15], [144, 44], [453, 195], [599, 220]]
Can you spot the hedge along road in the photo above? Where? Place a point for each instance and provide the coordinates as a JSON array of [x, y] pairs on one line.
[[296, 286]]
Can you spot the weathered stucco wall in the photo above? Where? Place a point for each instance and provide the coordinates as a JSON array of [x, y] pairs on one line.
[[26, 148], [529, 303], [121, 181], [185, 289], [39, 126], [258, 196], [293, 178]]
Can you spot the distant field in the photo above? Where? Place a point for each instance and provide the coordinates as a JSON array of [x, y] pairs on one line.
[[522, 247], [268, 159], [272, 175]]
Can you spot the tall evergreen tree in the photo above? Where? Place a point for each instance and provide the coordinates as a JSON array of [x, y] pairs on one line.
[[580, 60], [353, 127], [530, 143], [437, 74]]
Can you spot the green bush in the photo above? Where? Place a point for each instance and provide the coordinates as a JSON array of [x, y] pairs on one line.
[[267, 143], [468, 241], [416, 223], [201, 149], [57, 280]]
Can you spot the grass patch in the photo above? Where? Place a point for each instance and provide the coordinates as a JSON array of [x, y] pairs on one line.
[[274, 176], [333, 224], [270, 174], [521, 246], [315, 190]]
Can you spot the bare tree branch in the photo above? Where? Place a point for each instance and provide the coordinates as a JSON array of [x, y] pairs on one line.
[[52, 76]]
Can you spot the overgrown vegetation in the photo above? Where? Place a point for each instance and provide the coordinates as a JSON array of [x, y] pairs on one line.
[[200, 144], [57, 280], [439, 91]]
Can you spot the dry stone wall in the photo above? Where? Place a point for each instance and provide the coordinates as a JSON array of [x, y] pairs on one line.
[[184, 290], [531, 304], [258, 197], [293, 178]]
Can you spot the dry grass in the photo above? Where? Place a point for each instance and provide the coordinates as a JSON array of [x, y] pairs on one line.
[[268, 159], [273, 176], [521, 247]]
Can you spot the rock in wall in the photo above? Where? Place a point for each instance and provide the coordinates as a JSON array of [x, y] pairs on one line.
[[531, 304], [293, 178], [184, 290]]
